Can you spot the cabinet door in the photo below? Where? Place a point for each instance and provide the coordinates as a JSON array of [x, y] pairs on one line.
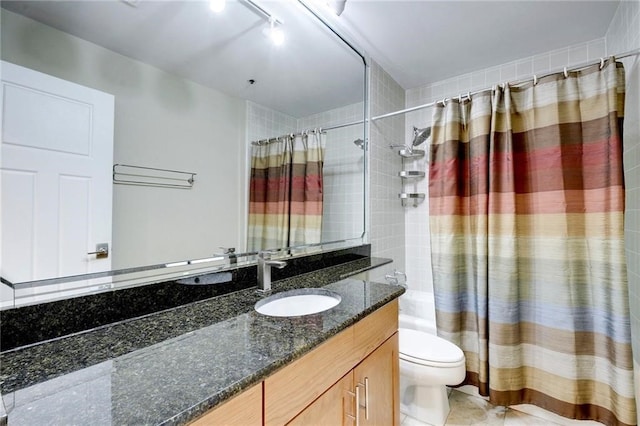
[[377, 378], [243, 410], [332, 408]]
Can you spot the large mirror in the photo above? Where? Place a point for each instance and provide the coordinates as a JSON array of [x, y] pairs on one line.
[[188, 97]]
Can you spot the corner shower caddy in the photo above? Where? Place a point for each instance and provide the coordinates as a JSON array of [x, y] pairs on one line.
[[408, 153]]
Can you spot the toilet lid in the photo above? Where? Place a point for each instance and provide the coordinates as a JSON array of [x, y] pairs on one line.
[[421, 347]]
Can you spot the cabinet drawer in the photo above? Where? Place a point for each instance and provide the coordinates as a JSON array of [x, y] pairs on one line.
[[373, 330]]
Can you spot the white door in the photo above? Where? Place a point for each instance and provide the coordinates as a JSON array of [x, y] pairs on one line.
[[56, 159]]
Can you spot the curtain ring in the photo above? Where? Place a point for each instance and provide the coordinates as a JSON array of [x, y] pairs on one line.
[[535, 79], [566, 74], [460, 98], [444, 102], [469, 95], [601, 63]]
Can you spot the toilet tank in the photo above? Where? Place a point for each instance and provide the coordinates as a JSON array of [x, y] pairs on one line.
[[417, 311]]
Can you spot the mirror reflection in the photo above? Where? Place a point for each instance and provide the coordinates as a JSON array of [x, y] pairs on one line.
[[140, 133]]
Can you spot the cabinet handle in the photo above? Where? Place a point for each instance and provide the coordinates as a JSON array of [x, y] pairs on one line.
[[366, 396], [356, 394]]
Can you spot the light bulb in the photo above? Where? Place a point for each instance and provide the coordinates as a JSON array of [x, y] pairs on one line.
[[274, 33], [217, 6], [277, 36]]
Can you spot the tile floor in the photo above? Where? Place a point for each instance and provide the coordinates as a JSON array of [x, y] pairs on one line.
[[468, 409]]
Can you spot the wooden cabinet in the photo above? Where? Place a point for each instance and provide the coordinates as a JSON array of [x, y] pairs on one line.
[[242, 410], [290, 390], [321, 388], [332, 408], [372, 387], [377, 379]]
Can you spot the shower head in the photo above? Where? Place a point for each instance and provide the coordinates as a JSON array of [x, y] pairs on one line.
[[359, 143], [420, 135]]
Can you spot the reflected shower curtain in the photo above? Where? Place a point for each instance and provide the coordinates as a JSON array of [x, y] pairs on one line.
[[526, 215], [285, 196], [269, 186], [305, 224]]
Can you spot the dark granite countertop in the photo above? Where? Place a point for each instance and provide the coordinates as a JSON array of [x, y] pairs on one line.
[[172, 366]]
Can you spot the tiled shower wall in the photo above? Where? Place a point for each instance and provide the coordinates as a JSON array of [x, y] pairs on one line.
[[386, 213], [623, 36]]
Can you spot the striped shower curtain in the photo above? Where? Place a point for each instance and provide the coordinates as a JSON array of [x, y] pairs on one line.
[[526, 216], [286, 192]]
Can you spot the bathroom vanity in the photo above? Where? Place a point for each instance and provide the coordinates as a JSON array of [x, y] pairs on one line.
[[218, 358], [353, 375]]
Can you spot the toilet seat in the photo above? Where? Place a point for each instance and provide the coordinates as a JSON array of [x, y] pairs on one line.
[[429, 350]]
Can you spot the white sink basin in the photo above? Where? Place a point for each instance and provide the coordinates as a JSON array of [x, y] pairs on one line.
[[294, 303]]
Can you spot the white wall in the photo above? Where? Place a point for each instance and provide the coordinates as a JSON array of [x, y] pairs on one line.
[[622, 36], [161, 121]]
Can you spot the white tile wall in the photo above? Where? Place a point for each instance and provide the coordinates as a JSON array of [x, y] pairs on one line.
[[387, 235], [622, 36], [263, 122]]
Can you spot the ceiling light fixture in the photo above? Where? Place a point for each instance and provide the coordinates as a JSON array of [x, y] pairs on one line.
[[337, 6], [275, 33], [217, 6]]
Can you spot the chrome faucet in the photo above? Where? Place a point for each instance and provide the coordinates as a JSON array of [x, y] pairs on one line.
[[393, 278], [264, 270]]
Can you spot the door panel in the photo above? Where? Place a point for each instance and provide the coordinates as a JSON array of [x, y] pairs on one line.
[[56, 159], [377, 377]]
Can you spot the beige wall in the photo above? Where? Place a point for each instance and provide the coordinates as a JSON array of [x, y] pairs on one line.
[[161, 121]]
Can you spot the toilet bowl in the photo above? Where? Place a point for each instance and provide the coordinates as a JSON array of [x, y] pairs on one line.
[[428, 364]]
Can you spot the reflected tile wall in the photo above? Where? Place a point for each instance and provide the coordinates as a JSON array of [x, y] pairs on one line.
[[343, 214]]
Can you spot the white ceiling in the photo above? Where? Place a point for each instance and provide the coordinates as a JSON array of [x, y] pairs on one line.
[[417, 42], [423, 41], [223, 51]]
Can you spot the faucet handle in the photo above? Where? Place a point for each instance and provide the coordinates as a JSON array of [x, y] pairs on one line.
[[393, 278], [228, 250], [277, 263]]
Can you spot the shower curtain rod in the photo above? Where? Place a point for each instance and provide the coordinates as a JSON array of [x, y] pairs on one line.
[[634, 52], [292, 135]]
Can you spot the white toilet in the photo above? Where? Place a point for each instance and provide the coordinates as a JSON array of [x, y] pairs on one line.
[[427, 364]]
